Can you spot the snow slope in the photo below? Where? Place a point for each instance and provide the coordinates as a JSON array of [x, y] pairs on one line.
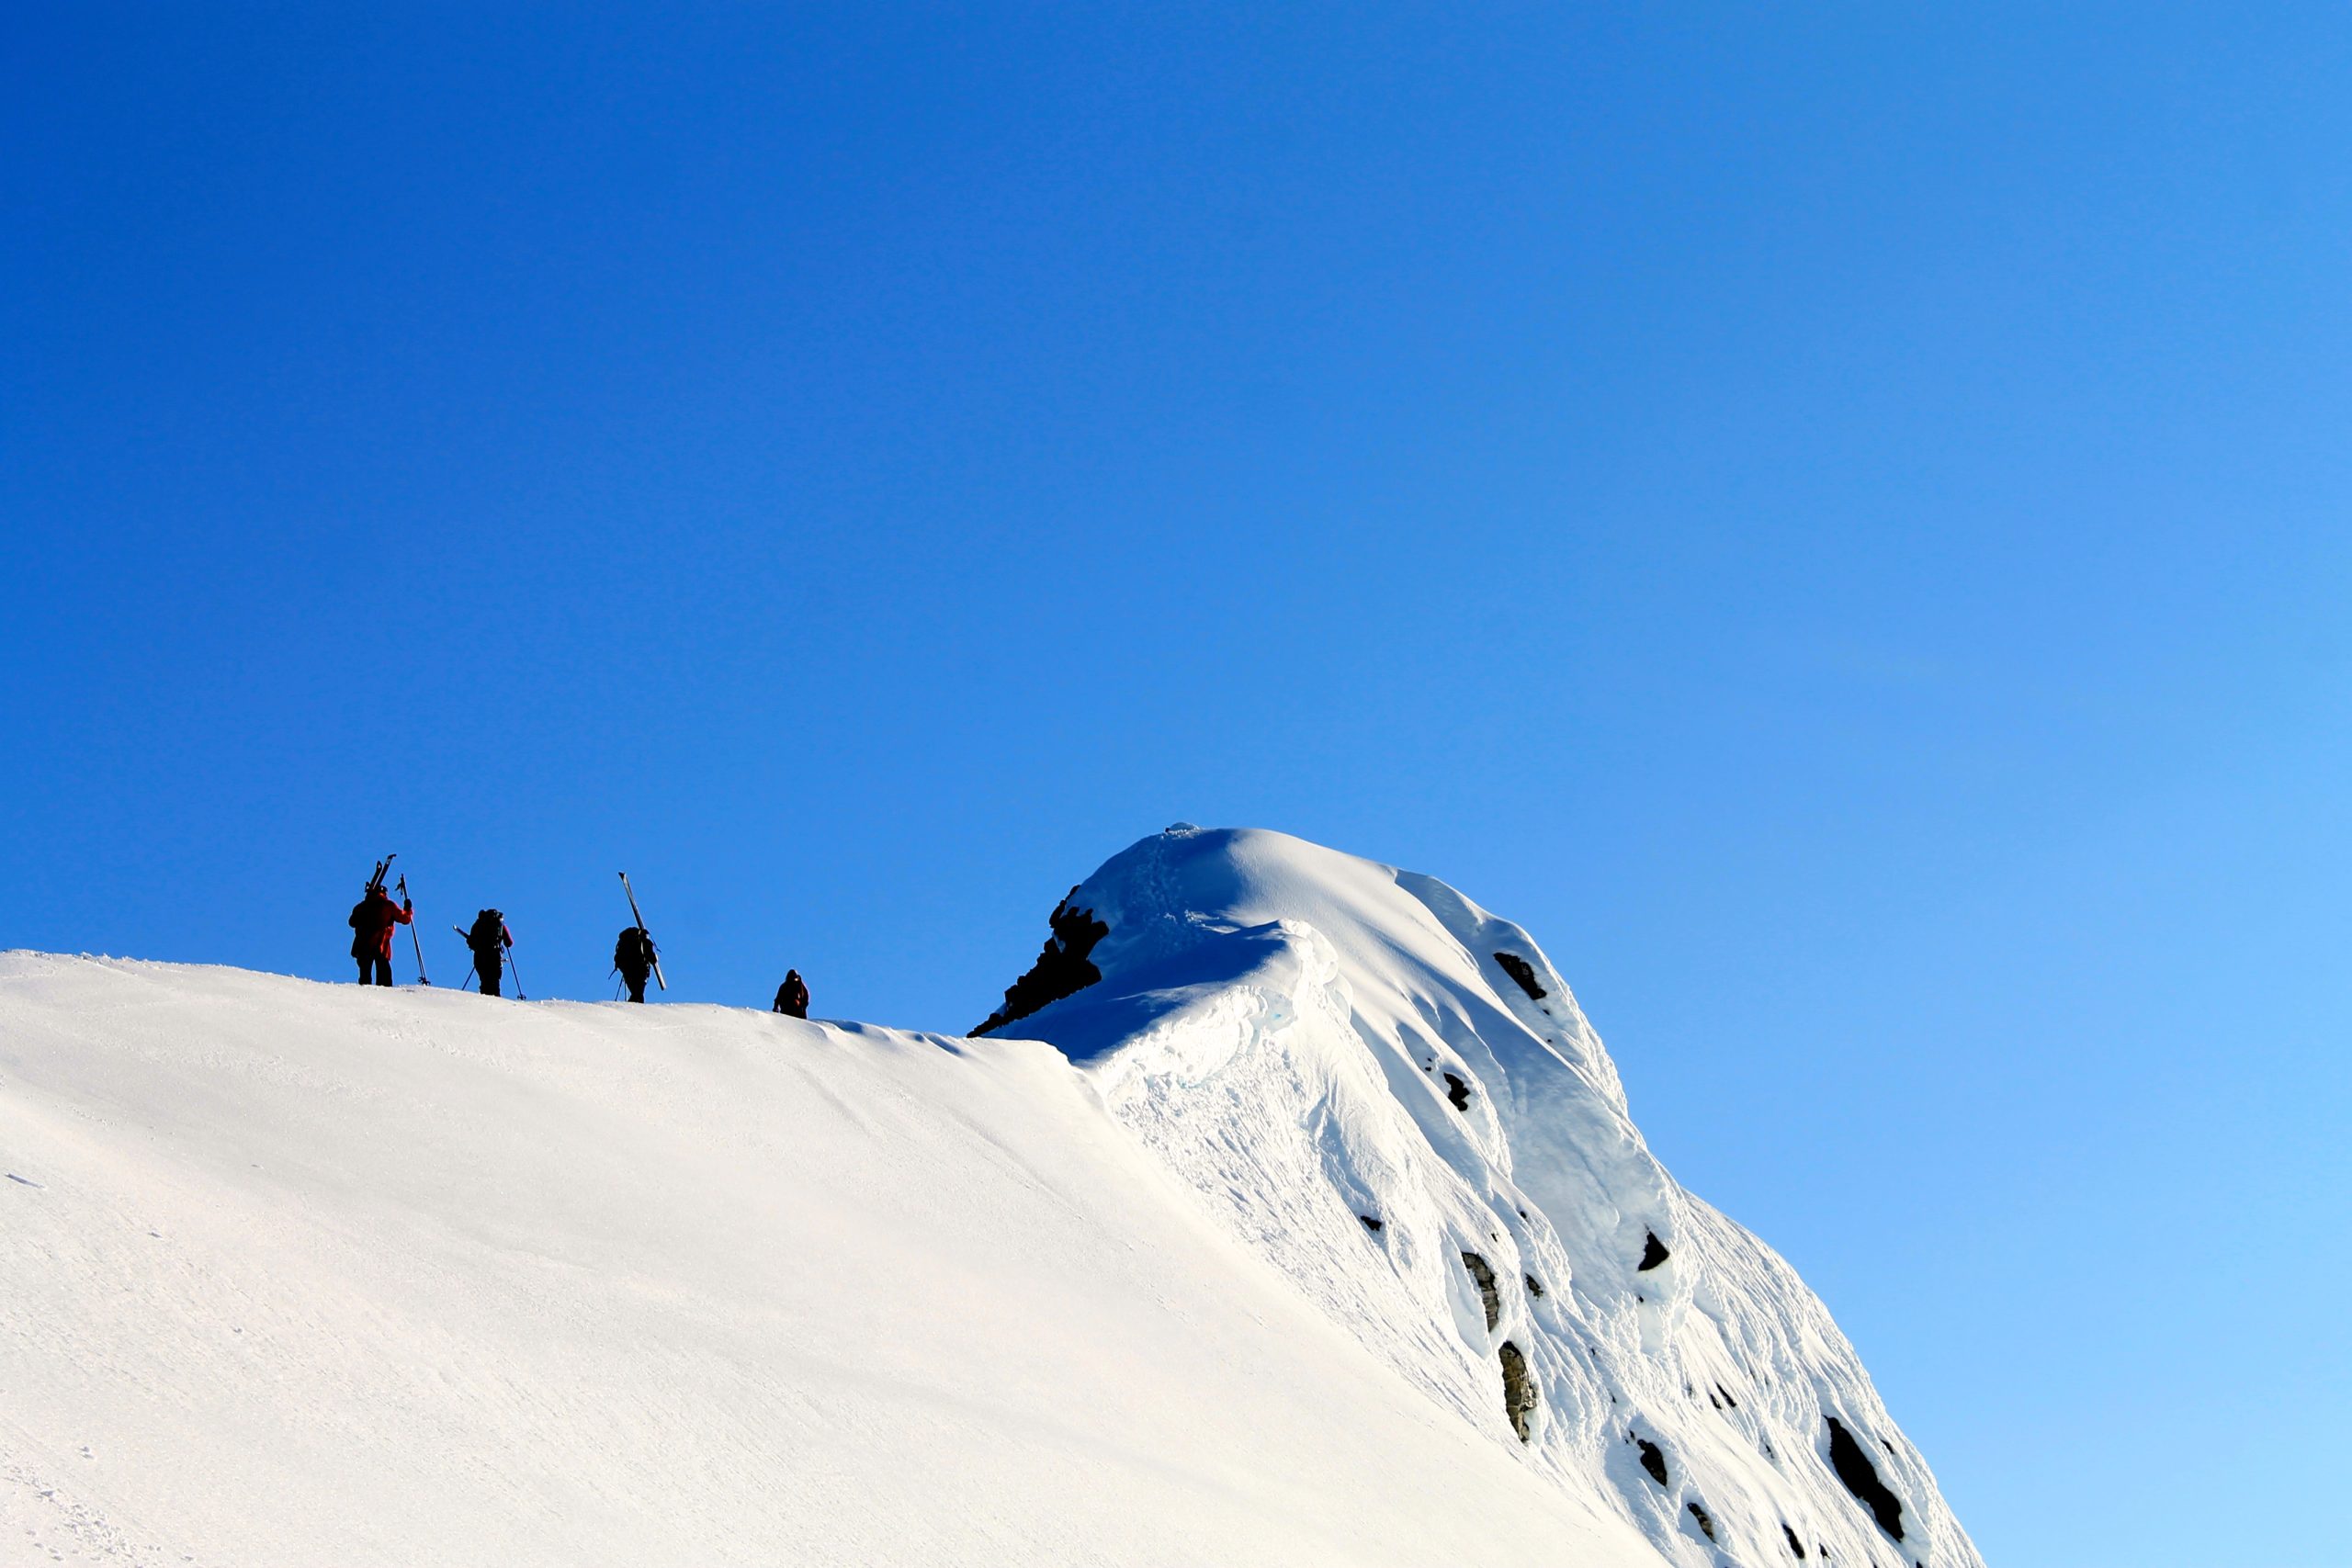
[[305, 1274], [1312, 1041]]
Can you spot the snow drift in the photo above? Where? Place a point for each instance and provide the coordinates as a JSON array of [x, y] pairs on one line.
[[1393, 1096], [1313, 1231]]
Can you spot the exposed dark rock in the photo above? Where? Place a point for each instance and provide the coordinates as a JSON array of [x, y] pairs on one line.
[[1794, 1544], [1520, 970], [1653, 1460], [1061, 970], [1457, 1091], [1706, 1521], [1375, 1226], [1727, 1398], [1534, 1286], [1488, 1296], [1654, 1253], [1519, 1389], [1852, 1463]]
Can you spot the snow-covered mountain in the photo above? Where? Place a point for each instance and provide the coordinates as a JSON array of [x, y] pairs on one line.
[[1315, 1231]]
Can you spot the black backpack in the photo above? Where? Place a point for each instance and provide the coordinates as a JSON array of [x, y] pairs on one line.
[[490, 928]]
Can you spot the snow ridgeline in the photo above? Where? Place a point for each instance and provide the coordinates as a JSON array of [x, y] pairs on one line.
[[296, 1273], [1393, 1096]]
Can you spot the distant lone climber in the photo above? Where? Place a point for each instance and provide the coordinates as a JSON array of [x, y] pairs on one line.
[[372, 920], [633, 956], [488, 941], [792, 996]]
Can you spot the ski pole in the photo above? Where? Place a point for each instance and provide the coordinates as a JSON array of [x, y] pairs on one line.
[[422, 978], [518, 973]]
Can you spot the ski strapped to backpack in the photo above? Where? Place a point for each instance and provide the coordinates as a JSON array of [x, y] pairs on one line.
[[640, 926]]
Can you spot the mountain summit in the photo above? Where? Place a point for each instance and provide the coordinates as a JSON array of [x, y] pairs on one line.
[[1289, 1212], [1393, 1096]]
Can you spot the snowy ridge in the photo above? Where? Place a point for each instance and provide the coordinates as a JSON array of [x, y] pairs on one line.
[[1308, 1232], [1319, 1044], [306, 1276]]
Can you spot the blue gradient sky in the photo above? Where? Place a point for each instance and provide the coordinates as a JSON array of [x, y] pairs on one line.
[[1835, 520]]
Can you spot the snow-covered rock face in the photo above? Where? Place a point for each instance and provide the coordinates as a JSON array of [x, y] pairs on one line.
[[1393, 1096]]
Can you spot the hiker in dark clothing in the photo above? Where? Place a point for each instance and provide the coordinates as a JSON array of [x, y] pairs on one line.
[[792, 996], [633, 956], [372, 920], [488, 941]]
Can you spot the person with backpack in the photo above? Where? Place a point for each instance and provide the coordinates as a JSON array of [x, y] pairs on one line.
[[488, 941], [792, 996], [372, 920], [633, 955]]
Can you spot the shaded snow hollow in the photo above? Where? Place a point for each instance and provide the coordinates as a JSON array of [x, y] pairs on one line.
[[1314, 1235]]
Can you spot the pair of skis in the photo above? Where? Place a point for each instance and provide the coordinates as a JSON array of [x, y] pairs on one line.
[[640, 926], [375, 884]]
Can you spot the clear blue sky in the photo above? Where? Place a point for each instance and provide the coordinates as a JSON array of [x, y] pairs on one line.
[[1836, 518]]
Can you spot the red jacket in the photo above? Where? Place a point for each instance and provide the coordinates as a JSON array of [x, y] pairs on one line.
[[372, 920]]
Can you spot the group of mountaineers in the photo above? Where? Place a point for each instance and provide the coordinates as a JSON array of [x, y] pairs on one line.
[[492, 942]]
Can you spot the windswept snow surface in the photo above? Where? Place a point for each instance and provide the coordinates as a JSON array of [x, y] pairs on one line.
[[1314, 1042], [302, 1275], [299, 1274]]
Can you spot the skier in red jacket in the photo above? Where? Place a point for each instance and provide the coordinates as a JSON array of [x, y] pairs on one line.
[[372, 920]]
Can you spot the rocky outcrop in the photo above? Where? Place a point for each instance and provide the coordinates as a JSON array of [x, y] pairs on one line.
[[1652, 1459], [1062, 969], [1519, 1389], [1522, 972], [1489, 1295], [1852, 1463]]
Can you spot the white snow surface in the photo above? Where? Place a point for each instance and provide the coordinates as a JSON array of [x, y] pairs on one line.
[[300, 1274]]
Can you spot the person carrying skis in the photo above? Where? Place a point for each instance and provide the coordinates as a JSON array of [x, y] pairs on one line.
[[792, 996], [488, 941], [372, 920], [633, 956]]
